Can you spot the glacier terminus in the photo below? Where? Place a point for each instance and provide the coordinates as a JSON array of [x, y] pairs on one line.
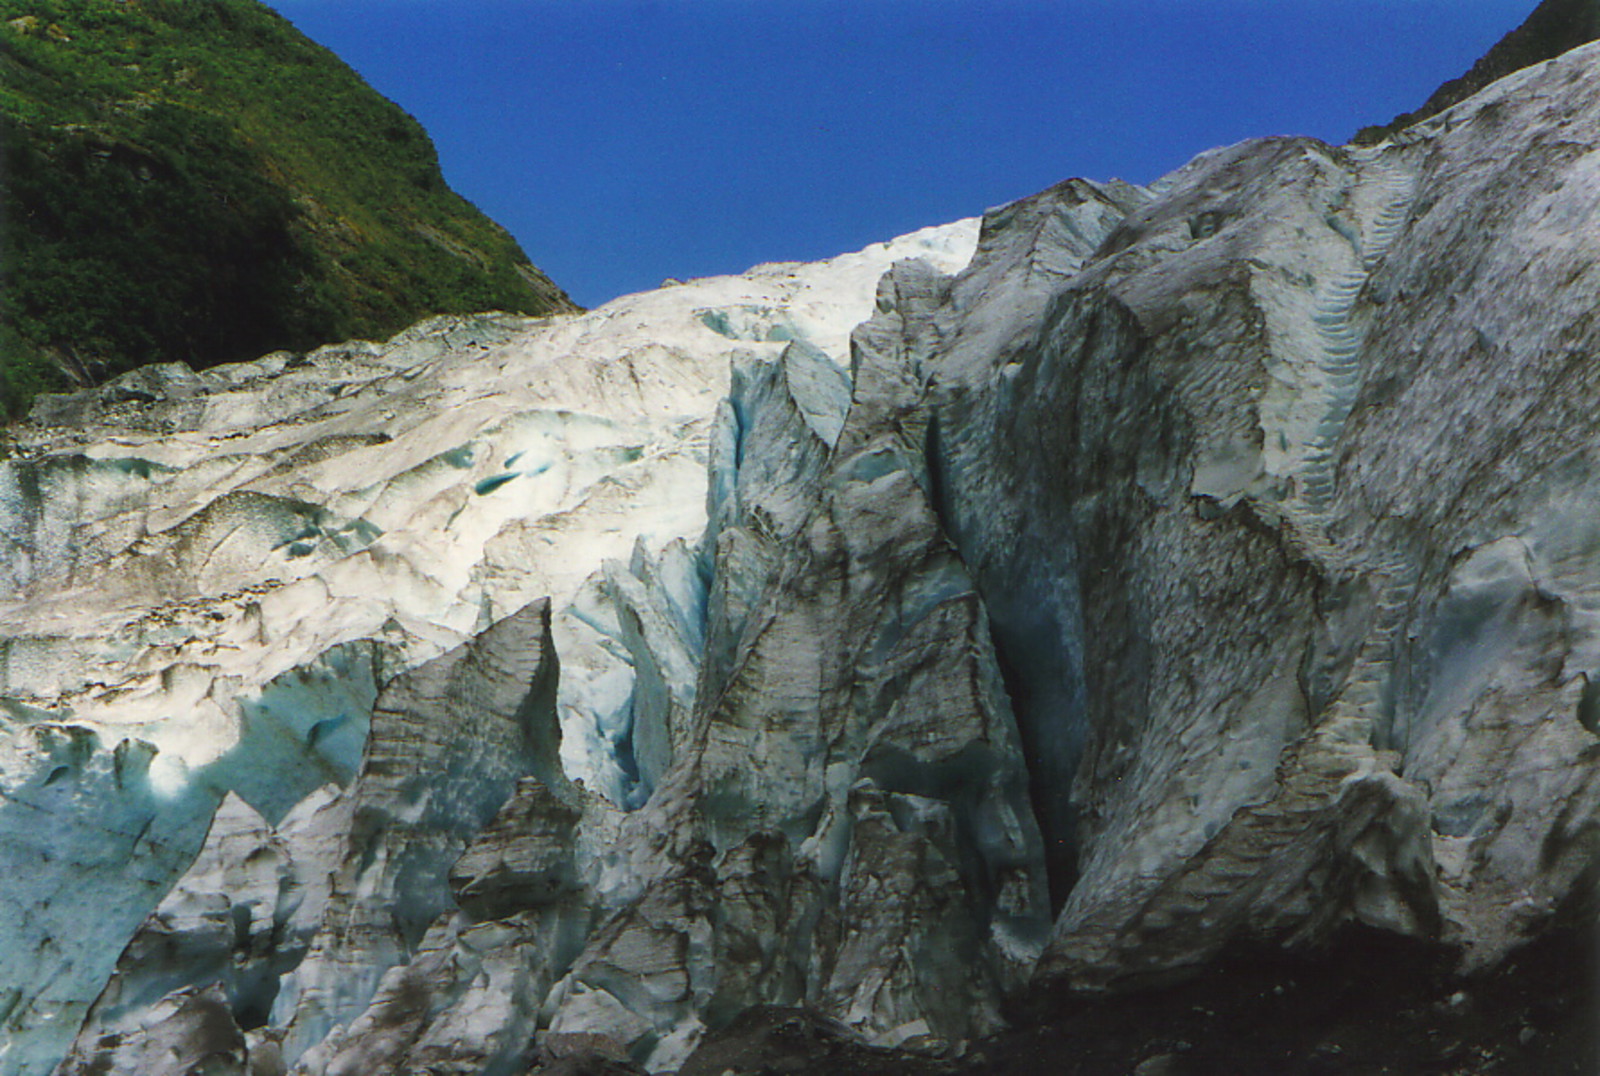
[[1063, 600]]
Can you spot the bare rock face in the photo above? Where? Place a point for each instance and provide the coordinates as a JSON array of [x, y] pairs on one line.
[[1203, 569]]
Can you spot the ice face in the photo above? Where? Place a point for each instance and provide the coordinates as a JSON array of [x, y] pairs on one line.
[[1222, 553], [204, 591], [92, 845]]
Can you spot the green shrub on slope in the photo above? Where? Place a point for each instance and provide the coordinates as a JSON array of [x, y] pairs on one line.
[[195, 180]]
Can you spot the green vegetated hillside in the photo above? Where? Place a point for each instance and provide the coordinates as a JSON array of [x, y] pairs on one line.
[[195, 180]]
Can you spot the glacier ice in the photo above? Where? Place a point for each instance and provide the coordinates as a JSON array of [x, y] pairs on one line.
[[208, 578], [1063, 600]]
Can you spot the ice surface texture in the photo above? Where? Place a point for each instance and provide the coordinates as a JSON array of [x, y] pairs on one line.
[[210, 577], [1201, 565]]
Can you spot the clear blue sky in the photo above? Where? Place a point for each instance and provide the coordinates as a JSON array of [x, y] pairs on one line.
[[624, 141]]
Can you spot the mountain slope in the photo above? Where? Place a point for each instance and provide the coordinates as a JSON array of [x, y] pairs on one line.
[[1554, 27], [195, 181]]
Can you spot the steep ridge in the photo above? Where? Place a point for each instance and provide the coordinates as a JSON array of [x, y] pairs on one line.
[[1554, 27]]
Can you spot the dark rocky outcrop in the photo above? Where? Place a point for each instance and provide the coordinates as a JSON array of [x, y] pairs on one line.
[[1554, 27]]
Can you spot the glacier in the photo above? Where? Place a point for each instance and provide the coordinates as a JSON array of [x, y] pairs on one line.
[[209, 575], [1058, 601]]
